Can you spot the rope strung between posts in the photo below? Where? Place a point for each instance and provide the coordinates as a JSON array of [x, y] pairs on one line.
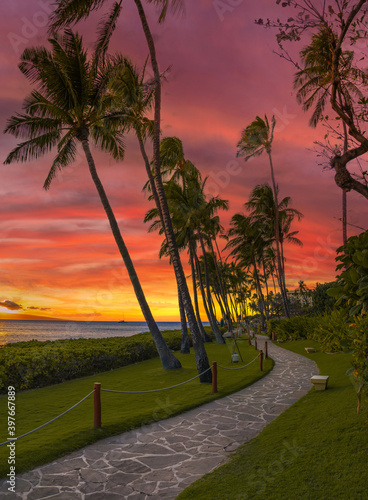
[[47, 423], [157, 390], [240, 367]]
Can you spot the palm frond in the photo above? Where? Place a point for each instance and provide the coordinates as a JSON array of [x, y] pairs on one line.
[[71, 11], [176, 6], [110, 141], [38, 105], [34, 147], [67, 151], [21, 125], [104, 31]]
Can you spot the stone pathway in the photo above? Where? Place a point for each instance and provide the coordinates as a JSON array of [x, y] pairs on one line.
[[159, 460]]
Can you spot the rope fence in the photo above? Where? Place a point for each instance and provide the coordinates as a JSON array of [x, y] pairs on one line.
[[240, 367], [157, 390], [97, 393], [47, 423]]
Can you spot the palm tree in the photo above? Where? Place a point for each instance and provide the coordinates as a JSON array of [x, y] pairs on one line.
[[69, 11], [185, 239], [262, 206], [256, 139], [189, 212], [74, 104], [314, 81], [245, 239]]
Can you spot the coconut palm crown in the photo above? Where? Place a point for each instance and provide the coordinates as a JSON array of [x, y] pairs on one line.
[[72, 102]]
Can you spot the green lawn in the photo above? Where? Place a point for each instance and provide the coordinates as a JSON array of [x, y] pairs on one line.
[[120, 412], [315, 450]]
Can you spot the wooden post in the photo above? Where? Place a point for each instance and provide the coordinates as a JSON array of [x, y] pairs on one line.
[[261, 361], [266, 350], [214, 377], [249, 341], [255, 344], [97, 405], [273, 336]]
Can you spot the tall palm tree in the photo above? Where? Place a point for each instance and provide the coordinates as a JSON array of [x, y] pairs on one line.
[[262, 206], [189, 211], [74, 103], [185, 239], [314, 81], [256, 139], [245, 240], [69, 11]]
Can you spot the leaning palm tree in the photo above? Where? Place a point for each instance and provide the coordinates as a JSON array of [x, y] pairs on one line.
[[71, 11], [314, 81], [256, 139], [74, 103]]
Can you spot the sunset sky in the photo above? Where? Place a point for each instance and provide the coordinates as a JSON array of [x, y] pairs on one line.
[[58, 257]]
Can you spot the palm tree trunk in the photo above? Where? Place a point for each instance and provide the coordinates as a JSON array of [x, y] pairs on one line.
[[185, 347], [168, 360], [344, 196], [344, 218], [224, 297], [277, 239], [200, 352], [215, 329], [259, 291], [206, 338], [267, 310], [221, 304], [204, 335]]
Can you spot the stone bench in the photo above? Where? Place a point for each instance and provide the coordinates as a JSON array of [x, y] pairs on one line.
[[320, 382], [310, 349]]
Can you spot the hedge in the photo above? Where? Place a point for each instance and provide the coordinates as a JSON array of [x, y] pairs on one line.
[[33, 364], [332, 331]]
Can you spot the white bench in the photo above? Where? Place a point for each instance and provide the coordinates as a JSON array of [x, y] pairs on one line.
[[320, 382]]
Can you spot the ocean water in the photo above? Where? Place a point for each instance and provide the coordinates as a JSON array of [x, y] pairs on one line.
[[19, 331]]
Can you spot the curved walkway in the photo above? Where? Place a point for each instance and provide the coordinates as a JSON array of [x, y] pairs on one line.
[[159, 460]]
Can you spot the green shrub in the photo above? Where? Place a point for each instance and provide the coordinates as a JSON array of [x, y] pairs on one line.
[[299, 327], [359, 371], [333, 331], [352, 285], [33, 364], [321, 301]]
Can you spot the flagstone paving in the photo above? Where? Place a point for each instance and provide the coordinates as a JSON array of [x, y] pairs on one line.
[[158, 461]]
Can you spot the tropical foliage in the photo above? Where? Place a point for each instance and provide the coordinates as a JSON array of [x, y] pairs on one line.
[[352, 284]]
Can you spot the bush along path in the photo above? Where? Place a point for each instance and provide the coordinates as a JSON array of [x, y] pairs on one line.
[[159, 460]]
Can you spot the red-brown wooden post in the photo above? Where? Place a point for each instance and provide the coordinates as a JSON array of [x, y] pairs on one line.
[[214, 377], [97, 405], [249, 341], [255, 344], [261, 361], [266, 350], [273, 336]]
